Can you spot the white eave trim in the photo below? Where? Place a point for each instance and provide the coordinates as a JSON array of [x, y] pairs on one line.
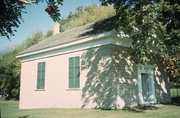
[[67, 44]]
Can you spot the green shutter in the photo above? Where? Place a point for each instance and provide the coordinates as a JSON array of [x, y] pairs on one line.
[[77, 72], [41, 75], [74, 72], [38, 75], [71, 62], [76, 61], [71, 73]]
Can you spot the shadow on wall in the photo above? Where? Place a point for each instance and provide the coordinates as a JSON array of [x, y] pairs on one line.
[[162, 84], [111, 82]]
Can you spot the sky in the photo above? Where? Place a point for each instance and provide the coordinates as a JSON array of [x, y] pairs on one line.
[[36, 19]]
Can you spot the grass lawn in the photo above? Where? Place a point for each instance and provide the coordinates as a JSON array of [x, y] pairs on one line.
[[9, 109]]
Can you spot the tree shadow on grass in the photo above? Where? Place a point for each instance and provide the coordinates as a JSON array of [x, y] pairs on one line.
[[140, 109], [174, 101], [26, 116]]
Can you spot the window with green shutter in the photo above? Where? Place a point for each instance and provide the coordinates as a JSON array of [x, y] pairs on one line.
[[41, 75], [74, 72]]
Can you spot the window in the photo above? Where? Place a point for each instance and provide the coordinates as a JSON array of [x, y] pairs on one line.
[[41, 75], [74, 72]]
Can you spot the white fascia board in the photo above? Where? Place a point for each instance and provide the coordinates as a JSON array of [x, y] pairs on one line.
[[79, 46], [67, 45], [69, 49], [125, 42]]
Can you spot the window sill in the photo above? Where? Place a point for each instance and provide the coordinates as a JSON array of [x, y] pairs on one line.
[[73, 89], [40, 90]]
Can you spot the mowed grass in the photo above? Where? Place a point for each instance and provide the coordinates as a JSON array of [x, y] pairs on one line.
[[9, 109]]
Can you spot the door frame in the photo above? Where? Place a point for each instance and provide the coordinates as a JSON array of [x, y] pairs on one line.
[[149, 69]]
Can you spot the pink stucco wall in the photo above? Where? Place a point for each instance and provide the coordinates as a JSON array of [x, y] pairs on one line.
[[108, 78], [56, 92]]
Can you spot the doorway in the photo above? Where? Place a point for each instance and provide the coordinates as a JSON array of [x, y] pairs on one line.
[[146, 85]]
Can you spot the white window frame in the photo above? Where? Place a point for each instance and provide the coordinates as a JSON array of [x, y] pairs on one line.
[[149, 69]]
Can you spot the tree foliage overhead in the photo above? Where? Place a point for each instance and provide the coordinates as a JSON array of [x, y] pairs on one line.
[[10, 16], [151, 23], [153, 26], [11, 13]]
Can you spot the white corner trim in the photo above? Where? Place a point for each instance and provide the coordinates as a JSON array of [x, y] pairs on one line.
[[80, 41]]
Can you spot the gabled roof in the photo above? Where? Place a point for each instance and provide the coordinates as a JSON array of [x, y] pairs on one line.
[[79, 33]]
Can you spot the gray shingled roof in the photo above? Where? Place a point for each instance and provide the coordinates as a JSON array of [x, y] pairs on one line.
[[74, 34]]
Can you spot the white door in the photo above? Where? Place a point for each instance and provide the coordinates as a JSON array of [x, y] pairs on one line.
[[147, 91], [146, 85]]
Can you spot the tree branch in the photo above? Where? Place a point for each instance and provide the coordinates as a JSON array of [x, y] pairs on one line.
[[28, 2]]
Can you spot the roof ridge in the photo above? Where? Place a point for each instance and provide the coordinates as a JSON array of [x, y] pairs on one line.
[[76, 28]]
